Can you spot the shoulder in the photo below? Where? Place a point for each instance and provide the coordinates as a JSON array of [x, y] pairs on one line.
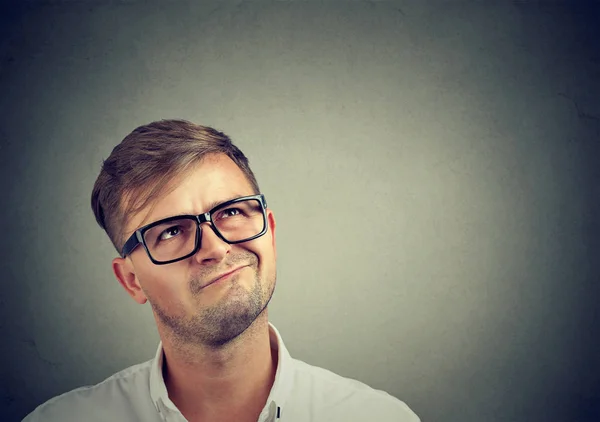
[[340, 398], [116, 397]]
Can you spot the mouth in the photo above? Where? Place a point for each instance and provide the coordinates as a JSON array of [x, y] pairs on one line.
[[224, 276]]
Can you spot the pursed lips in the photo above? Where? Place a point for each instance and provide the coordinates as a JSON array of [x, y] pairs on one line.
[[217, 278]]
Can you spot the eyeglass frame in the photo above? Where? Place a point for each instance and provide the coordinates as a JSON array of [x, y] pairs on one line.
[[137, 237]]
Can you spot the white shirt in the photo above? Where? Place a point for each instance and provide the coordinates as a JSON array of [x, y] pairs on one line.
[[301, 392]]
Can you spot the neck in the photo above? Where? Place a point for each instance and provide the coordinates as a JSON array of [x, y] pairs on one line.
[[229, 382]]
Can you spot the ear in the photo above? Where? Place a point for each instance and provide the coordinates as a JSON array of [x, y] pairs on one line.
[[124, 271], [271, 223]]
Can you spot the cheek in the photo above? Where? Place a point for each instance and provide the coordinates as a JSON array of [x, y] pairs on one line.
[[265, 249], [162, 285], [267, 257]]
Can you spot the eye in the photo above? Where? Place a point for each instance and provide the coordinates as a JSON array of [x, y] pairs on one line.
[[169, 233], [229, 212]]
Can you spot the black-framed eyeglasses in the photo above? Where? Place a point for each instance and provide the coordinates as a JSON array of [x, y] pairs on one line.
[[175, 238]]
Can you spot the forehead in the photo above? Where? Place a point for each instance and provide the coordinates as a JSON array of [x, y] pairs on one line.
[[206, 183]]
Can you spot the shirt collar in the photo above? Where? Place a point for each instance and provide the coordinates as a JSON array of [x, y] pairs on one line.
[[277, 397]]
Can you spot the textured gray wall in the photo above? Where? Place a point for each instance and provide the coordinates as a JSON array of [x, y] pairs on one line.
[[433, 168]]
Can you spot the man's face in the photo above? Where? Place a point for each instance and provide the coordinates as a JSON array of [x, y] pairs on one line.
[[182, 301]]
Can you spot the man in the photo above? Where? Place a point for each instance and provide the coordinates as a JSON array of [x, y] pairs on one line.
[[197, 241]]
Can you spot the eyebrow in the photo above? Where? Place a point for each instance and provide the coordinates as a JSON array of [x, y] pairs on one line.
[[210, 206], [213, 204]]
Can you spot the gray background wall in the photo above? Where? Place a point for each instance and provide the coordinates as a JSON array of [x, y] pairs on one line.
[[433, 167]]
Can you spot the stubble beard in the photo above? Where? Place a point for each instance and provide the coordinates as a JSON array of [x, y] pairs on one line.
[[221, 323]]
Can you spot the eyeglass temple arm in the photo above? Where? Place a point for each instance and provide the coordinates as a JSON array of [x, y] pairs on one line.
[[132, 242]]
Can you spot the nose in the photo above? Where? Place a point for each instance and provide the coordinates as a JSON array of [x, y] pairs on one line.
[[212, 247]]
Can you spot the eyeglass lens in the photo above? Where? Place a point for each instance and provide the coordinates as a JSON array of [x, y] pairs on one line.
[[174, 239]]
